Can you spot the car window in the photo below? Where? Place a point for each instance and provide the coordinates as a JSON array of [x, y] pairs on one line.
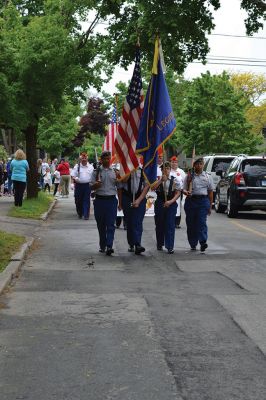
[[221, 164], [206, 162], [233, 166], [254, 167]]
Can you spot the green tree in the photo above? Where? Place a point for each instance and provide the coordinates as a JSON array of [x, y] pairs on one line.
[[50, 56], [213, 118], [3, 153], [182, 25], [253, 87], [56, 131], [93, 145]]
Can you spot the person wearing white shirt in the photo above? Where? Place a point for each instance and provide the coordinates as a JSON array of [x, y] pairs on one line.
[[47, 180], [180, 175], [81, 176]]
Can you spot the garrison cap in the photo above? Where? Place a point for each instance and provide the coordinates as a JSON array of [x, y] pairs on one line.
[[198, 160], [106, 153], [165, 165]]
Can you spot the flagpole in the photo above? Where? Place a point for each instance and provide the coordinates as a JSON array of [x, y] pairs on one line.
[[134, 172], [163, 171]]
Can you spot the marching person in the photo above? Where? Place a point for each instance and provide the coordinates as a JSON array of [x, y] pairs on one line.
[[132, 192], [198, 187], [180, 175], [81, 176], [168, 190], [104, 182], [19, 167]]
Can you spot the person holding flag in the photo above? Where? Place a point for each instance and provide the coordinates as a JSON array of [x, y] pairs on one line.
[[158, 123], [180, 175], [133, 188], [168, 190]]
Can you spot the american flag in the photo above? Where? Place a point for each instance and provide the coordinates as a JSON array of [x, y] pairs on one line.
[[127, 135], [111, 134]]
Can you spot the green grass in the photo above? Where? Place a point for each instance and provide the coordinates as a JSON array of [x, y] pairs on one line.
[[9, 244], [32, 208]]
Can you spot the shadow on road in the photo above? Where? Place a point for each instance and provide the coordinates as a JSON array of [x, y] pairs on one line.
[[251, 216]]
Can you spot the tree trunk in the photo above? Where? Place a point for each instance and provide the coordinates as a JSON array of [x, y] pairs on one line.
[[31, 151]]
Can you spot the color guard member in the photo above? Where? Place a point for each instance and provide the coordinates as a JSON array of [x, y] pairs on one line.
[[180, 175], [198, 187], [168, 190], [132, 193], [104, 182]]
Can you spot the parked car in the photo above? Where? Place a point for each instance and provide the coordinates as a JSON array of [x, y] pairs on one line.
[[214, 163], [243, 186]]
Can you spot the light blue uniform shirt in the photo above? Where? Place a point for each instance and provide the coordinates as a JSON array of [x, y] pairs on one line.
[[19, 170], [107, 176], [201, 184]]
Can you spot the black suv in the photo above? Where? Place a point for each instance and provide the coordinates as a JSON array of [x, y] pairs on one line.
[[242, 187]]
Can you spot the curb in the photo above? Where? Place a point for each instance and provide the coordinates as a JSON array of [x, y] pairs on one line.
[[46, 214], [15, 264]]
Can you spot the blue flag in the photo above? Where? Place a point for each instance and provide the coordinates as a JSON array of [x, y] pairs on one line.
[[157, 123]]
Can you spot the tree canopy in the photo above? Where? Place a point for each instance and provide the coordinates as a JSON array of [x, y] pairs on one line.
[[213, 118], [50, 49]]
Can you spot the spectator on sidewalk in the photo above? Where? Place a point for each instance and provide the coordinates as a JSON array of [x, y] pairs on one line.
[[47, 180], [19, 168], [56, 181], [9, 173], [1, 175], [64, 170]]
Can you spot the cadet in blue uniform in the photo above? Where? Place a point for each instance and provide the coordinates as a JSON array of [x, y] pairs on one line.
[[104, 181], [134, 208], [198, 187], [168, 190]]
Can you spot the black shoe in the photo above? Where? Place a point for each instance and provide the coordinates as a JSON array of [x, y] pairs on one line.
[[101, 250], [193, 249], [170, 251], [159, 248], [109, 251], [203, 246], [80, 216], [139, 249], [131, 249]]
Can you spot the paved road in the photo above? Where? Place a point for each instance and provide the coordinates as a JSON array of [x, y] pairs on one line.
[[79, 325]]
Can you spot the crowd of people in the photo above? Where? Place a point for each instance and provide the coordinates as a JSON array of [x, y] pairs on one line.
[[116, 199], [112, 195], [53, 176]]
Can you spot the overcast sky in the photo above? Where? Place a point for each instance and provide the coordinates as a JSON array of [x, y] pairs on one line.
[[229, 20]]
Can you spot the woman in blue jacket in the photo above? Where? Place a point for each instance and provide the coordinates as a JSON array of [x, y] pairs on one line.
[[19, 168]]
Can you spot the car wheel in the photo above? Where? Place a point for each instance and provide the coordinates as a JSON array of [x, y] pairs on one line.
[[219, 208], [232, 210]]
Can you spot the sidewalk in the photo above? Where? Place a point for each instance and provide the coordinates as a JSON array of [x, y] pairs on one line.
[[20, 226]]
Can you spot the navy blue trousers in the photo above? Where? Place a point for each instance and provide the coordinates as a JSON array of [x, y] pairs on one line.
[[105, 211], [196, 218], [165, 224], [82, 199], [134, 217]]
